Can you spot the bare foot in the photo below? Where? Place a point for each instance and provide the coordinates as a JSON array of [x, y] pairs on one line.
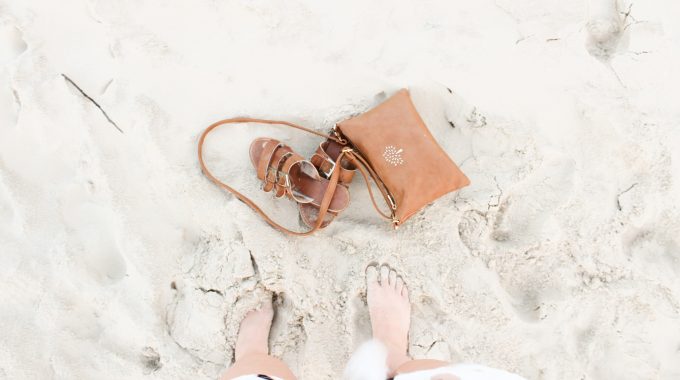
[[390, 311], [253, 335]]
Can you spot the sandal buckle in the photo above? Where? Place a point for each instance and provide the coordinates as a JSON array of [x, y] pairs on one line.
[[274, 175], [328, 174]]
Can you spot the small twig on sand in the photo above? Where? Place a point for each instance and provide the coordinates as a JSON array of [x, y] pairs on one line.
[[618, 197], [88, 97]]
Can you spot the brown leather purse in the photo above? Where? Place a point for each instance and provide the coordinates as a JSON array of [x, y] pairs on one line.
[[390, 145]]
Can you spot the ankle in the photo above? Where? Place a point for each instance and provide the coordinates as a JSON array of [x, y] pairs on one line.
[[394, 344], [397, 351], [395, 362], [250, 351], [250, 345]]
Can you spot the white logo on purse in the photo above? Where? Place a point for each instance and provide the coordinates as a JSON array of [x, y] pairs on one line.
[[393, 155]]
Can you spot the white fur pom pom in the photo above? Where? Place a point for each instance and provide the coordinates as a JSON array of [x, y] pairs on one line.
[[369, 362]]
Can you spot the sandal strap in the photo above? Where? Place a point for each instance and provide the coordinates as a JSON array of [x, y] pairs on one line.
[[273, 174], [290, 160], [324, 160], [328, 194], [282, 180], [266, 158]]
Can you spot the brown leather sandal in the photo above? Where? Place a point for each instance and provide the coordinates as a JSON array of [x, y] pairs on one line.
[[287, 173], [324, 160]]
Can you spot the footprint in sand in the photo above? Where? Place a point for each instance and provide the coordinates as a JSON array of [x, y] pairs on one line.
[[95, 227], [473, 229], [151, 360], [526, 209], [604, 28], [12, 46], [357, 316], [525, 213], [652, 252], [12, 43], [10, 219], [288, 337], [209, 293], [459, 112], [195, 321], [528, 306]]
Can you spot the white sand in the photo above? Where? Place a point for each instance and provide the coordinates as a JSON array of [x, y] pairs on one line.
[[561, 261]]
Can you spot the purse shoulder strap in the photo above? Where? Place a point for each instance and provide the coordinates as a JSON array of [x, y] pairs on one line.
[[325, 201], [367, 171]]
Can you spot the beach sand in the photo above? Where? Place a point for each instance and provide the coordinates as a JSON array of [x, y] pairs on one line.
[[120, 260]]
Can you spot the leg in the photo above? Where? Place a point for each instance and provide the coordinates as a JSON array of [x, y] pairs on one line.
[[390, 312], [424, 365], [252, 347], [259, 364]]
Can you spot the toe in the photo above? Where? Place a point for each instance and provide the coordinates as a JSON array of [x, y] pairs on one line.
[[267, 303], [400, 285], [404, 292], [371, 274], [384, 275], [393, 278]]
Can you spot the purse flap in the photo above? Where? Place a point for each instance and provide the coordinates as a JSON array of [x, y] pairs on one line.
[[395, 141]]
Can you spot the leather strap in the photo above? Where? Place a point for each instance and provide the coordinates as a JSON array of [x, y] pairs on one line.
[[354, 157], [323, 159], [364, 167], [326, 200], [268, 152]]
